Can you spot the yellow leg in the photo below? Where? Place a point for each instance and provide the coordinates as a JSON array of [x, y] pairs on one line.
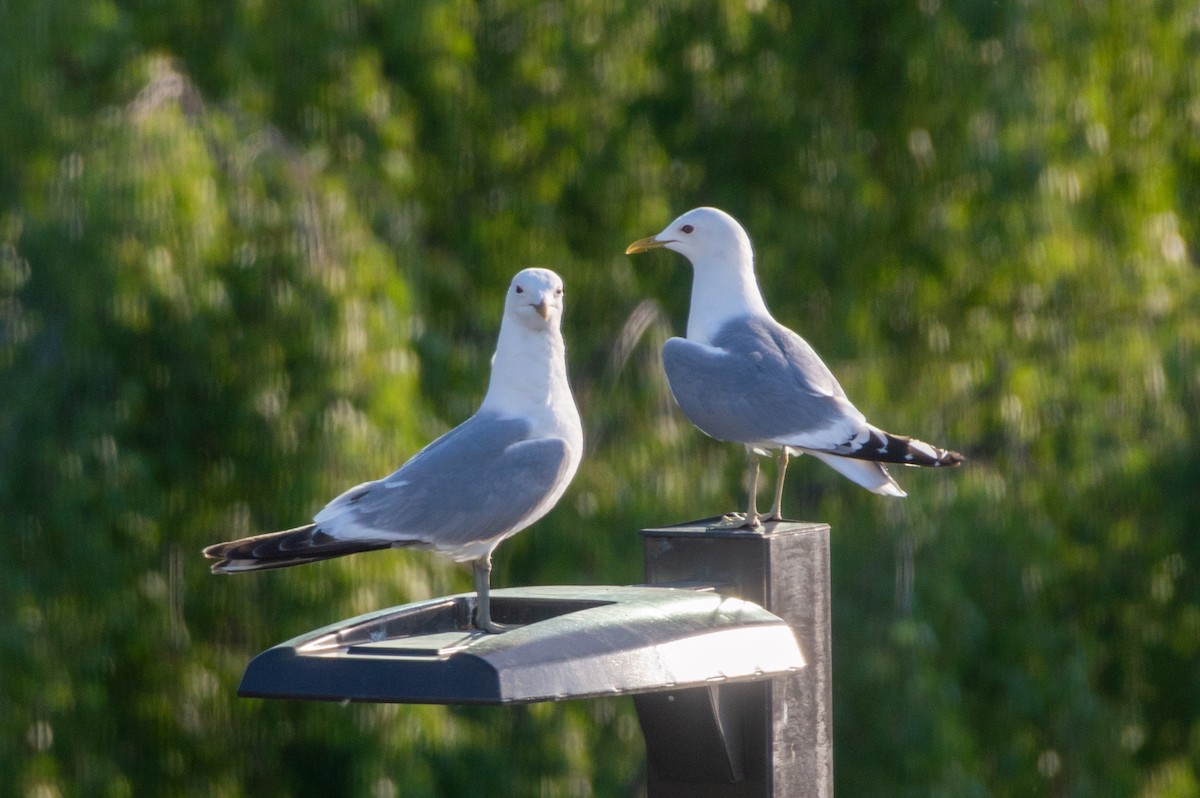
[[776, 513], [483, 600], [750, 519]]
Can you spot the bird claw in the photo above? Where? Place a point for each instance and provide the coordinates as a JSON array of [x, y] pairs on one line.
[[737, 521]]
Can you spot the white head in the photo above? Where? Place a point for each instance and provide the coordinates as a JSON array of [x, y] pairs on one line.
[[535, 299], [529, 366], [723, 286], [703, 236]]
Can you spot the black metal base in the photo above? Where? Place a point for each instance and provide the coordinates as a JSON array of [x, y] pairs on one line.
[[567, 642], [771, 738]]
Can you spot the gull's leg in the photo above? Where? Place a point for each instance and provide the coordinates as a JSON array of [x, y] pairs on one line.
[[483, 605], [750, 518], [776, 513]]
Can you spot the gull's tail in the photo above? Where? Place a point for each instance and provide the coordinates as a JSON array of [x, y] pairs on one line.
[[883, 447], [872, 476], [297, 546]]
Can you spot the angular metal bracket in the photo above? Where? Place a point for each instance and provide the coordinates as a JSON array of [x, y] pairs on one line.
[[695, 736]]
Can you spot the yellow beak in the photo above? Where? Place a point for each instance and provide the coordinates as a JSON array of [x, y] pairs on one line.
[[644, 244], [543, 309]]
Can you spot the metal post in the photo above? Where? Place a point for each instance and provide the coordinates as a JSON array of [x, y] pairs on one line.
[[774, 738]]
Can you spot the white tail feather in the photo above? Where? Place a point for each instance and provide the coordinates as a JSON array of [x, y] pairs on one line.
[[872, 476]]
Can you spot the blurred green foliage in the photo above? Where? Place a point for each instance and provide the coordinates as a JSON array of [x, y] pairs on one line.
[[254, 252]]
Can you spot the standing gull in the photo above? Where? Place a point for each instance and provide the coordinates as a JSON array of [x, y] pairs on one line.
[[741, 376], [480, 483]]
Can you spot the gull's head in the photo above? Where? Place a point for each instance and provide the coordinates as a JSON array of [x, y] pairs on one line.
[[535, 299], [703, 236]]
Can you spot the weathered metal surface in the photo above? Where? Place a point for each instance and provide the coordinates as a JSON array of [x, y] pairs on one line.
[[569, 642], [786, 724]]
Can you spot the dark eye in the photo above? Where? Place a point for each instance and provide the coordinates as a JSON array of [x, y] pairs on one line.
[[687, 228], [558, 292], [520, 290]]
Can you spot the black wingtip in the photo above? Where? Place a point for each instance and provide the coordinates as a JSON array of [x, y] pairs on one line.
[[885, 447], [298, 546]]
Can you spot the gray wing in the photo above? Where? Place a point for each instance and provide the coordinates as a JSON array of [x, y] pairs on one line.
[[480, 482], [759, 383]]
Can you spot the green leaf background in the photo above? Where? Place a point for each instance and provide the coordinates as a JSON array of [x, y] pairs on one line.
[[254, 252]]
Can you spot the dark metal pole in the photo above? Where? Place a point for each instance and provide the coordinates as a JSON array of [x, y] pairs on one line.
[[773, 738]]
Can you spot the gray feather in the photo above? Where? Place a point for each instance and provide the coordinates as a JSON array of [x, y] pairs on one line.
[[758, 382], [483, 480]]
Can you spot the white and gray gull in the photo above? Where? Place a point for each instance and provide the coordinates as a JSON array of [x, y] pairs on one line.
[[482, 482], [743, 377]]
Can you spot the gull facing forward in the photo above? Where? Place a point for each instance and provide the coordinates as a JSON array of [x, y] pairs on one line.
[[743, 377], [480, 483]]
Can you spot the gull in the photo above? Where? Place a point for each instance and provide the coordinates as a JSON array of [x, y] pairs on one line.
[[743, 377], [482, 482]]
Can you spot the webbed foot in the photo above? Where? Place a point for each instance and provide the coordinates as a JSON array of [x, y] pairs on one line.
[[738, 521]]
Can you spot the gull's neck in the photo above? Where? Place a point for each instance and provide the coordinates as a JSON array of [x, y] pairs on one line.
[[529, 375], [723, 288]]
